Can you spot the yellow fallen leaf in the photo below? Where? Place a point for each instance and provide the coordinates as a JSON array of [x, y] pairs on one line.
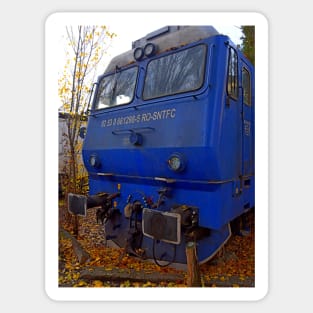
[[76, 276], [81, 283], [147, 284], [97, 283], [125, 284]]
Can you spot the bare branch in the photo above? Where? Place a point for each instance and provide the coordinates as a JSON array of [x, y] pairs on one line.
[[87, 45]]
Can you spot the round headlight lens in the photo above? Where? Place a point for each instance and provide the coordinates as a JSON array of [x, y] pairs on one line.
[[176, 163], [94, 161], [138, 54], [149, 49]]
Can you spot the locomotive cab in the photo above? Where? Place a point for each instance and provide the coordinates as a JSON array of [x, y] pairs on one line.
[[169, 146]]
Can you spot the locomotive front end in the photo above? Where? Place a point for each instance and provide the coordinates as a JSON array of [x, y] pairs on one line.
[[153, 148]]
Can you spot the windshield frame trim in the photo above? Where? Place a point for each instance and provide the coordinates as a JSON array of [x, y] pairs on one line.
[[101, 77], [185, 92]]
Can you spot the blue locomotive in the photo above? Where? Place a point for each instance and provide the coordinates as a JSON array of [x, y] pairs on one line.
[[169, 146]]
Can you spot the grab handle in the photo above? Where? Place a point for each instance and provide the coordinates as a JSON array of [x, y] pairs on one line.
[[133, 130]]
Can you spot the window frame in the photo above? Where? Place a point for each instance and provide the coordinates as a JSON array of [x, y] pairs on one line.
[[229, 86], [245, 69], [123, 69], [199, 86]]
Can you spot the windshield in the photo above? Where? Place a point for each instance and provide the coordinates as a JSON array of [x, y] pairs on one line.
[[175, 73], [117, 88]]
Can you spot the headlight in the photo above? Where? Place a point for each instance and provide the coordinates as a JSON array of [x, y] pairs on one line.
[[176, 162], [138, 54], [149, 49], [94, 161], [82, 132]]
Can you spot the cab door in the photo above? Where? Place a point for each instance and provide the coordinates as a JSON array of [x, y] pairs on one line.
[[247, 120]]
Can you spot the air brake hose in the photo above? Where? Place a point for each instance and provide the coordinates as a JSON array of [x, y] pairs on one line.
[[156, 261]]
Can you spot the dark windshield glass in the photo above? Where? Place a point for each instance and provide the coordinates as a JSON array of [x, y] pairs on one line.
[[117, 88], [175, 73]]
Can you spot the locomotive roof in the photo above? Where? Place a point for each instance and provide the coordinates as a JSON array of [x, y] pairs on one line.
[[166, 38]]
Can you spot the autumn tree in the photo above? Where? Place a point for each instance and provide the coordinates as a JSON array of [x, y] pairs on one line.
[[86, 46], [248, 42]]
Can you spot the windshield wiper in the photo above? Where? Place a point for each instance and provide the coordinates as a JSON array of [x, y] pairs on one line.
[[113, 89]]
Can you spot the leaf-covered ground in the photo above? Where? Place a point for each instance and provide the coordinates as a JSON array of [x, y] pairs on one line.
[[233, 266]]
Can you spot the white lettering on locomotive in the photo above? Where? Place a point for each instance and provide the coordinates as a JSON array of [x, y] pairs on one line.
[[140, 118]]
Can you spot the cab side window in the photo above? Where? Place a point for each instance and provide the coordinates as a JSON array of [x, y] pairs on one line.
[[232, 74], [246, 86]]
